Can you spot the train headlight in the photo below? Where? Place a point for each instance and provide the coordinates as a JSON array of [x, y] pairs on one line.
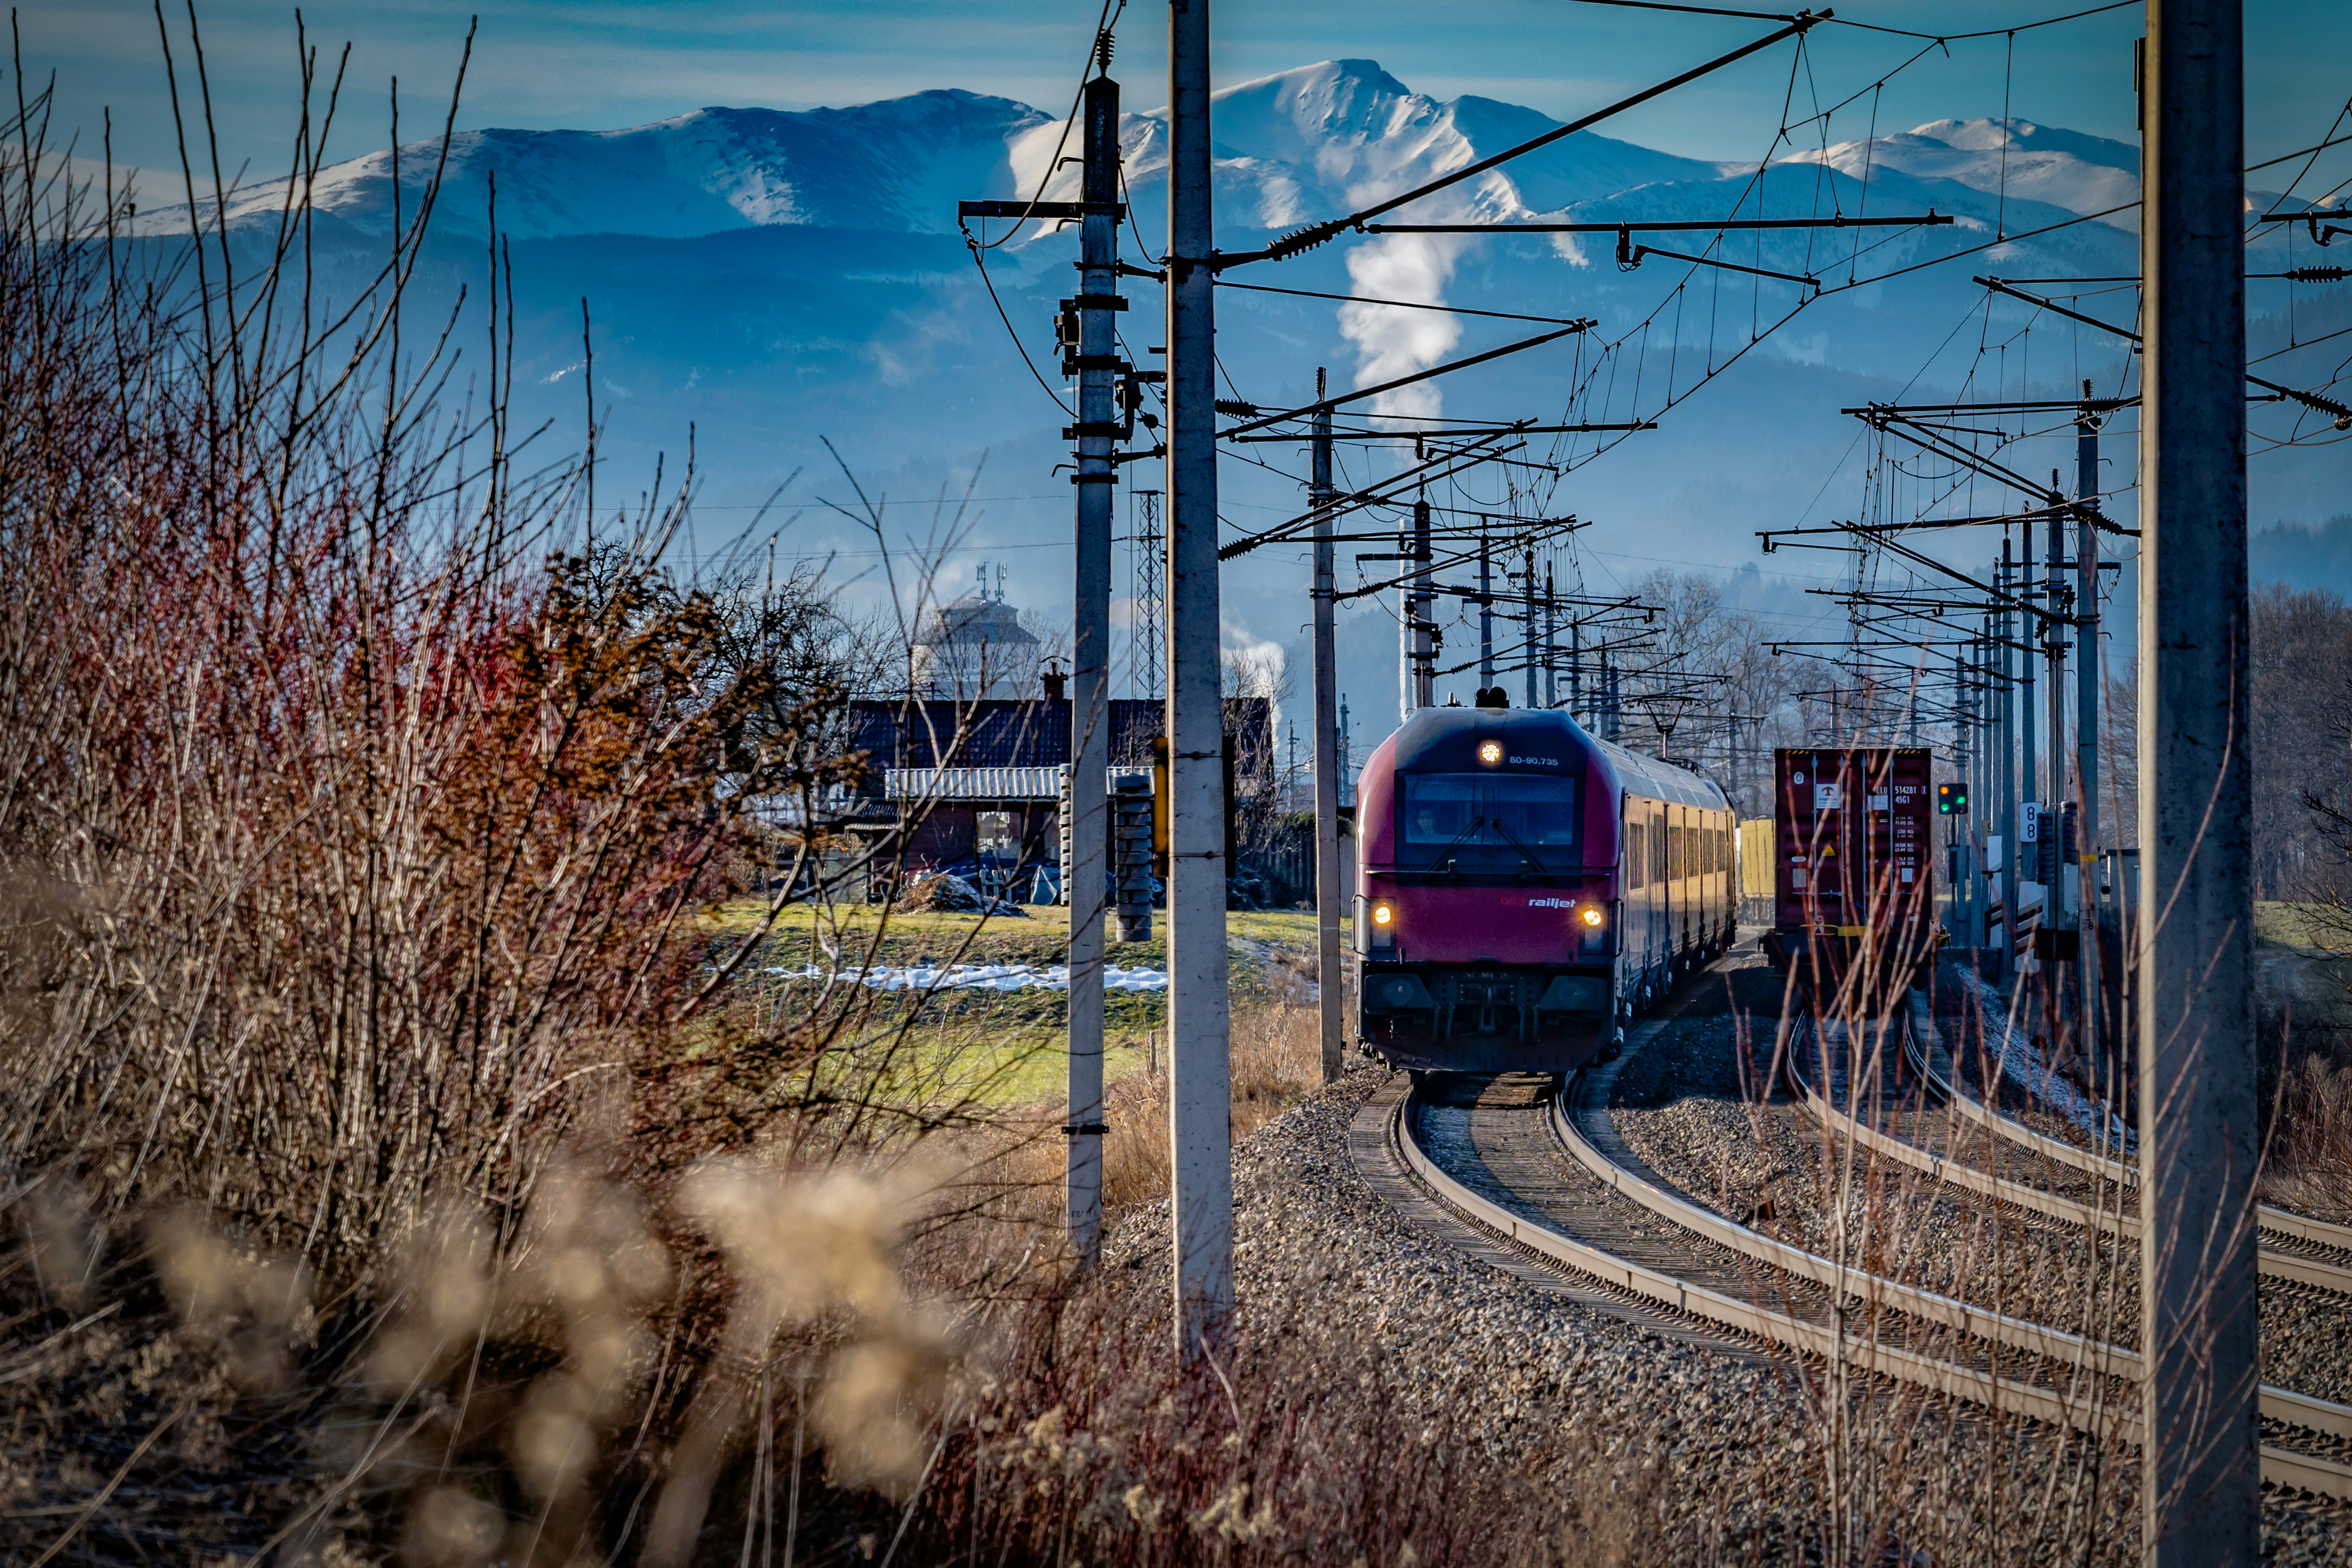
[[1383, 915], [1592, 916], [1490, 751]]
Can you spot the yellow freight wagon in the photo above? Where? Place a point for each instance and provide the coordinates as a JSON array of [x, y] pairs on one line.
[[1755, 836]]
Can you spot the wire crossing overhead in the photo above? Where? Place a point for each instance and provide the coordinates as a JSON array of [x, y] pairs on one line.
[[1434, 371], [2328, 405], [1300, 240], [1677, 225]]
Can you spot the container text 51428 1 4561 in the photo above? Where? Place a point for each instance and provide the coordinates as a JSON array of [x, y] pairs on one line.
[[1853, 904]]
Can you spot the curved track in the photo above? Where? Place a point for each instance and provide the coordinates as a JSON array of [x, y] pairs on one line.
[[1549, 1180], [1923, 1048]]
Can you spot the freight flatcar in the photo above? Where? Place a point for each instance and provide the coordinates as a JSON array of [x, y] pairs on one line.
[[1855, 889], [1525, 890]]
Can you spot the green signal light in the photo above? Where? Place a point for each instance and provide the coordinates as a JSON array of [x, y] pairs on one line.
[[1951, 800]]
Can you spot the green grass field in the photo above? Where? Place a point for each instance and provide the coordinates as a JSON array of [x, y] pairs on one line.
[[2295, 925], [1003, 1047]]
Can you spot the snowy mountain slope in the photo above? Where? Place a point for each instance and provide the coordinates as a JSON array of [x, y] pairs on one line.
[[1291, 147], [758, 280], [2038, 162], [1324, 139], [895, 165]]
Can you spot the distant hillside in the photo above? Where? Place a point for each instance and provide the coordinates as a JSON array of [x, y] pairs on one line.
[[756, 280], [2303, 556]]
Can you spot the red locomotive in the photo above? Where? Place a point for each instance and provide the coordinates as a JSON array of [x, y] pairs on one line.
[[1525, 889], [1853, 904]]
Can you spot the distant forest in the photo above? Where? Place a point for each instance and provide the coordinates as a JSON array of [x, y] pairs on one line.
[[2303, 556]]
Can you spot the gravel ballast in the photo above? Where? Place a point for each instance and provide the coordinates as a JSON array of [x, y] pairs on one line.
[[1526, 1368]]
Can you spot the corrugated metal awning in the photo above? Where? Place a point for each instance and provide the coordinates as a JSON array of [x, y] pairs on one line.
[[1038, 783], [973, 783]]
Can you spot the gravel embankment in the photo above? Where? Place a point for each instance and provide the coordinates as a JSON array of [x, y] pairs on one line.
[[1682, 1106], [1529, 1376], [1519, 1370]]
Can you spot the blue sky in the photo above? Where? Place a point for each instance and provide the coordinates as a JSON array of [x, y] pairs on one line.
[[560, 63]]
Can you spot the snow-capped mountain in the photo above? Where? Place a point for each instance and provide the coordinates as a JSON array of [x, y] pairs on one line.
[[758, 279], [2037, 163], [1292, 147], [899, 165], [1322, 139]]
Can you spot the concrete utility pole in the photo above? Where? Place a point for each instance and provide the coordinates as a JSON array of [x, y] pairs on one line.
[[2054, 917], [2091, 1027], [2054, 643], [1956, 838], [2028, 778], [1485, 615], [1199, 1027], [1405, 586], [1423, 613], [1982, 799], [1327, 891], [1531, 625], [1347, 760], [2005, 776], [1096, 428], [2200, 1468], [1551, 642], [1575, 663]]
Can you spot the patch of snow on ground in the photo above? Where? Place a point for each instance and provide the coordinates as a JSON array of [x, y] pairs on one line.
[[2015, 1056], [976, 977]]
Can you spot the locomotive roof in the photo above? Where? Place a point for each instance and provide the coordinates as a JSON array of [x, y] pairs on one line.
[[1658, 780], [1432, 735]]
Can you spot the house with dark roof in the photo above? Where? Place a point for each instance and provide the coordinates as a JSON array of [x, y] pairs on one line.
[[975, 785]]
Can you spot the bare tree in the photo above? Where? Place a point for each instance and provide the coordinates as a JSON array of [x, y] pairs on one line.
[[2301, 680]]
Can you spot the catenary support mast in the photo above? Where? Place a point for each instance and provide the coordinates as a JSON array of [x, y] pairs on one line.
[[2199, 1471], [2029, 753], [1532, 660], [1486, 614], [2004, 789], [2093, 1027], [1200, 1044], [1422, 612], [1090, 658], [1327, 891]]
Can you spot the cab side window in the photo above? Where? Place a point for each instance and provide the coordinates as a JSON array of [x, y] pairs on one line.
[[1634, 851]]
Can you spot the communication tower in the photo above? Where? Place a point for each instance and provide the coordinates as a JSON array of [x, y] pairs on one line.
[[1147, 548]]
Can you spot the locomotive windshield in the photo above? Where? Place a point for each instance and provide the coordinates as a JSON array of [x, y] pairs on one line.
[[1486, 824]]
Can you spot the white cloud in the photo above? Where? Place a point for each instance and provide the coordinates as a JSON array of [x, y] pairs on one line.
[[1391, 342]]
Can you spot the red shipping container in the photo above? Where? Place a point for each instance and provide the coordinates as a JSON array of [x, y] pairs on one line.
[[1854, 835]]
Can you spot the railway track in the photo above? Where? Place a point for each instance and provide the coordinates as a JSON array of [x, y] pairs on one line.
[[2326, 1264], [1547, 1178], [2295, 1246]]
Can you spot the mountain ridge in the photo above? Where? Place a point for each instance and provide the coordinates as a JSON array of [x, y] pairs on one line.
[[1312, 142]]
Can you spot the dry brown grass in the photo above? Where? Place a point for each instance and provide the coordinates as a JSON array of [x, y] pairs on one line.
[[1278, 1060], [2309, 1163], [393, 1172]]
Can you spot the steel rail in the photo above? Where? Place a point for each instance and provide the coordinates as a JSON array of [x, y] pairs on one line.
[[2278, 1221], [2019, 1195], [2281, 1467], [2279, 1404], [1946, 1311], [1761, 1322]]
